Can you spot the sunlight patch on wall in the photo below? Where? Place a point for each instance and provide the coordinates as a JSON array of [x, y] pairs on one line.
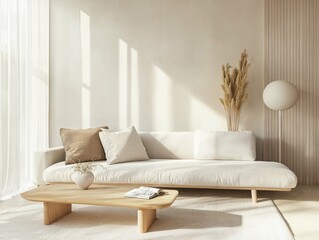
[[39, 102], [135, 111], [162, 100], [123, 84], [86, 69]]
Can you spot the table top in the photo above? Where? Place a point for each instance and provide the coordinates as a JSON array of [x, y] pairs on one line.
[[102, 195]]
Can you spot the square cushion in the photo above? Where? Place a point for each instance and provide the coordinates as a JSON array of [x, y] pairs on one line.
[[226, 145], [123, 146], [82, 145]]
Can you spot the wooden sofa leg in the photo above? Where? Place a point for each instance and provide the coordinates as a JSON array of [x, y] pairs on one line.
[[254, 195]]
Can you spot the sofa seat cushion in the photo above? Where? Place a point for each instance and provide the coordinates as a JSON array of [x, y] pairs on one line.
[[188, 172]]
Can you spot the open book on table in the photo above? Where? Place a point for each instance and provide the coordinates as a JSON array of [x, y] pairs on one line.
[[144, 193]]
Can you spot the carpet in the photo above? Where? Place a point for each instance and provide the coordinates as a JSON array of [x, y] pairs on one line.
[[196, 214]]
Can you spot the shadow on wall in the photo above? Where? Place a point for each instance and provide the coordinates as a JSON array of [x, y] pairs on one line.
[[153, 64], [302, 132]]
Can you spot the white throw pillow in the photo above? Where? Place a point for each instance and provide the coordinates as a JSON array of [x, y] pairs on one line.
[[225, 145], [122, 146]]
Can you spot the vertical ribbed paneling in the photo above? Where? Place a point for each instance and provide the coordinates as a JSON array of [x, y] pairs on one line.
[[292, 54]]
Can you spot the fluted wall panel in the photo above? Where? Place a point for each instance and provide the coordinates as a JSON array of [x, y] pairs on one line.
[[292, 54]]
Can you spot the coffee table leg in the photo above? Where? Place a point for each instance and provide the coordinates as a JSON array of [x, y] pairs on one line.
[[145, 218], [55, 211]]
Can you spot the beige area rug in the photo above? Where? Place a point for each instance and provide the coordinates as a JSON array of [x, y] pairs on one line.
[[196, 214]]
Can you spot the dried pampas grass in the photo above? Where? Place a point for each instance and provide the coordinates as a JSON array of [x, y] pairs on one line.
[[234, 85]]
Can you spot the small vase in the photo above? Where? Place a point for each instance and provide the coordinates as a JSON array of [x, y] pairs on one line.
[[83, 180]]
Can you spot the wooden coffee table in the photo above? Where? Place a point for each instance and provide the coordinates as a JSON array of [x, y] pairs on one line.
[[58, 199]]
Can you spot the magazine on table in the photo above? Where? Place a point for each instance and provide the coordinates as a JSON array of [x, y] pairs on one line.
[[144, 193]]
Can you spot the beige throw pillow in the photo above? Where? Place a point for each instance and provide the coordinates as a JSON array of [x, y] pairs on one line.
[[82, 145], [123, 146]]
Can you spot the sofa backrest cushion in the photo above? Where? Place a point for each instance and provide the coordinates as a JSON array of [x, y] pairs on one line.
[[168, 145], [226, 145]]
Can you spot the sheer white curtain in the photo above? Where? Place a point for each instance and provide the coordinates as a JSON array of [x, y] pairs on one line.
[[24, 87]]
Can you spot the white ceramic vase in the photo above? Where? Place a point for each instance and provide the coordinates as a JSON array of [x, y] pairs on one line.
[[83, 180]]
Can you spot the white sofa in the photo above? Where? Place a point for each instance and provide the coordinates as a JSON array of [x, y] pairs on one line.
[[172, 164]]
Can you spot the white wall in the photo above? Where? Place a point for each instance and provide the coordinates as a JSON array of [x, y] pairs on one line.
[[155, 64]]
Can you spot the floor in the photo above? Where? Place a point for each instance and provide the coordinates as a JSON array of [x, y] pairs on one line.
[[299, 207]]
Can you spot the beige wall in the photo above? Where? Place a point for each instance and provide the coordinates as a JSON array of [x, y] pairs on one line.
[[292, 54], [155, 64]]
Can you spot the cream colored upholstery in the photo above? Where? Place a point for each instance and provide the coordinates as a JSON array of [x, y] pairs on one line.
[[44, 159], [168, 145], [190, 172], [172, 163]]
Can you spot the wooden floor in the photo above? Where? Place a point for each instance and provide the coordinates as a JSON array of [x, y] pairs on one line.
[[299, 207]]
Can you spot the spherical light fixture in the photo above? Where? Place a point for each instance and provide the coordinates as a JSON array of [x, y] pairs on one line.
[[280, 95]]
